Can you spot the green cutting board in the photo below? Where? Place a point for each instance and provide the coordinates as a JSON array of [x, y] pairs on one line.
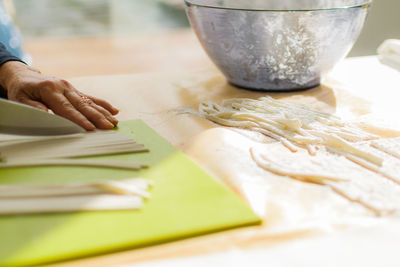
[[185, 202]]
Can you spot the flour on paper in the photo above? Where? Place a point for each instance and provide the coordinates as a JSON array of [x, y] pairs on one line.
[[357, 184], [353, 162]]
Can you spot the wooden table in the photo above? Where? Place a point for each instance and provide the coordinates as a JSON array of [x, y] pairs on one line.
[[304, 225], [104, 55]]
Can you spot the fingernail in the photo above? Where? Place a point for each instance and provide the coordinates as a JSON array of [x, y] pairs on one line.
[[113, 120], [115, 110], [89, 126], [108, 124]]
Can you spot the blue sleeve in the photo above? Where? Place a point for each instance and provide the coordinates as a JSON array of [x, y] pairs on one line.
[[6, 56]]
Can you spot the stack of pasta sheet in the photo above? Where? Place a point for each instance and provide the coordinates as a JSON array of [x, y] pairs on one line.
[[24, 150], [84, 196], [69, 150]]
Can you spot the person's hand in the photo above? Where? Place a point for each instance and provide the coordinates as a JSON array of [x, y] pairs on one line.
[[28, 86]]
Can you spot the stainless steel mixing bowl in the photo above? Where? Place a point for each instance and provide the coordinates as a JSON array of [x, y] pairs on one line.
[[277, 45]]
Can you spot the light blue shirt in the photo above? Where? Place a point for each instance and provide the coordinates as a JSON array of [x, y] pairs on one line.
[[10, 36]]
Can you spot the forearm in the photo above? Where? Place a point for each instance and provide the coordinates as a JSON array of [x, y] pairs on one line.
[[5, 70], [9, 72]]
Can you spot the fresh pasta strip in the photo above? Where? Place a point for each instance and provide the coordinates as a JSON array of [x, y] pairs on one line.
[[82, 145], [12, 139], [73, 162], [340, 144], [311, 149], [73, 152], [69, 204], [133, 186]]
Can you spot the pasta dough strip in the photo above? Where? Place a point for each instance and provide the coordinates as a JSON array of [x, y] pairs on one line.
[[69, 204], [134, 186], [75, 162]]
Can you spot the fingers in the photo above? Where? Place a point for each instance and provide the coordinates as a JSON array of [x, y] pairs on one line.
[[63, 99], [33, 103], [104, 104], [62, 107], [106, 114], [100, 117]]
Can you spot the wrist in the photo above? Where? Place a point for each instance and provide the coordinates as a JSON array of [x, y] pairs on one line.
[[9, 71]]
